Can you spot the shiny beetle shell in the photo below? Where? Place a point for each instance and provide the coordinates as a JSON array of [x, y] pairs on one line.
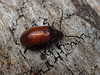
[[39, 35]]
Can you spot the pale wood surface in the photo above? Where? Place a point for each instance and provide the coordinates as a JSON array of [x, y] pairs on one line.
[[78, 54]]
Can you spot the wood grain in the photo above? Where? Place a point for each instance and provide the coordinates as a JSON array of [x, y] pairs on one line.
[[78, 53]]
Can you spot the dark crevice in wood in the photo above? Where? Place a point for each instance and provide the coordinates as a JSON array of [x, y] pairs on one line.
[[45, 22], [56, 58], [68, 16], [70, 71], [81, 37], [12, 33]]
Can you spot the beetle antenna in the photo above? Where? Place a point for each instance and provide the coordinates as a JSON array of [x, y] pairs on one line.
[[70, 36], [61, 19]]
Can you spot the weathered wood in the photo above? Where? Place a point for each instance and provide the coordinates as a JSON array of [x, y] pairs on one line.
[[78, 53]]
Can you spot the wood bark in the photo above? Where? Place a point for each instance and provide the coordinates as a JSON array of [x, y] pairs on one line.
[[78, 53]]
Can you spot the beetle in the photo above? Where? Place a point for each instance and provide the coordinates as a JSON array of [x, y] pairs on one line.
[[35, 36]]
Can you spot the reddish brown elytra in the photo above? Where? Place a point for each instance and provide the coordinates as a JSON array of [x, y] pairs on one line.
[[38, 35]]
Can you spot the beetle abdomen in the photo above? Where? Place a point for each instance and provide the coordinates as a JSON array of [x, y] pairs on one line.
[[36, 35]]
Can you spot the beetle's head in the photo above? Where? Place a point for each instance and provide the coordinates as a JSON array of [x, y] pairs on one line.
[[57, 34]]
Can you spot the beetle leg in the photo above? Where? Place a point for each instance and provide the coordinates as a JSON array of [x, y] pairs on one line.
[[25, 50]]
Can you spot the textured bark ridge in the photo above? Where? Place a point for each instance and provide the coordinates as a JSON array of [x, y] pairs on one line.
[[78, 53]]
